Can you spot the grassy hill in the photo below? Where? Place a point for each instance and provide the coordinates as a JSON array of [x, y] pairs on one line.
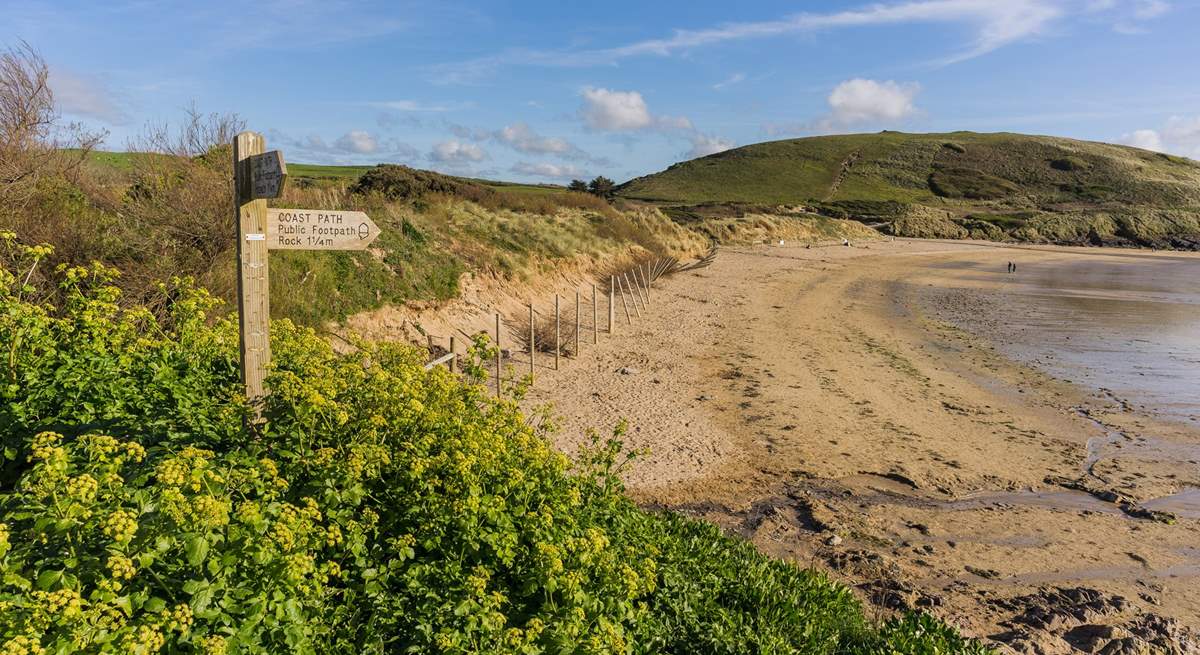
[[960, 184]]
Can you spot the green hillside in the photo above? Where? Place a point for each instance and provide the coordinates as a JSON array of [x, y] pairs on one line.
[[960, 184]]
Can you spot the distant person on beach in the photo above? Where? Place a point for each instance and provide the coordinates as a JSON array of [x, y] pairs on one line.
[[846, 242]]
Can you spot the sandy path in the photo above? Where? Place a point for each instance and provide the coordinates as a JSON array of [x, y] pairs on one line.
[[800, 398]]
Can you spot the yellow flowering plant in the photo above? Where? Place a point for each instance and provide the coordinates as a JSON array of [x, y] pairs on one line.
[[379, 508]]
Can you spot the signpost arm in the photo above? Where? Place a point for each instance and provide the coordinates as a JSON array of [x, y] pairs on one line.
[[253, 304]]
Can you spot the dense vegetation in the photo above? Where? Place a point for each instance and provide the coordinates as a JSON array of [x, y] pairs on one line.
[[159, 216], [963, 184], [379, 508]]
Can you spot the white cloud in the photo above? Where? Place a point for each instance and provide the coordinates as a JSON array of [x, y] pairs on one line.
[[417, 106], [994, 23], [357, 141], [1147, 139], [736, 78], [353, 147], [523, 139], [1130, 16], [869, 101], [452, 152], [85, 98], [1179, 135], [622, 111], [1147, 9], [543, 169], [703, 145]]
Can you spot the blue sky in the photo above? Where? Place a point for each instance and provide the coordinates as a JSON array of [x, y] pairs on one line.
[[547, 91]]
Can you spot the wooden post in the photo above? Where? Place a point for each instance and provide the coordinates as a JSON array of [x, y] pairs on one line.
[[637, 286], [498, 369], [648, 280], [557, 333], [576, 353], [454, 358], [532, 343], [612, 299], [624, 304], [595, 317], [643, 287], [628, 285], [429, 340], [254, 308]]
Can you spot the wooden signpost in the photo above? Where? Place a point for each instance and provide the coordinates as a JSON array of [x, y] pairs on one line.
[[319, 229], [259, 175]]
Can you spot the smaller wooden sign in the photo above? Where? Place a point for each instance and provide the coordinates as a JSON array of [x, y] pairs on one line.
[[267, 175], [319, 229]]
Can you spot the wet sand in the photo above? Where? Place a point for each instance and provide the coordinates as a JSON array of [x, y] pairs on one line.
[[837, 407]]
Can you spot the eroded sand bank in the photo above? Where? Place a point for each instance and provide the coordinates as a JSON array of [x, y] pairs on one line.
[[813, 401]]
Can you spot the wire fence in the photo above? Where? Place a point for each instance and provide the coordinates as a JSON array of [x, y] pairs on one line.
[[559, 329]]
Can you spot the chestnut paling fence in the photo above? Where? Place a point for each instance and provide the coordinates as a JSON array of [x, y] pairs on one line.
[[567, 324]]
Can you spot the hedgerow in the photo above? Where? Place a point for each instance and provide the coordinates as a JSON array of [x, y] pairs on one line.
[[377, 508]]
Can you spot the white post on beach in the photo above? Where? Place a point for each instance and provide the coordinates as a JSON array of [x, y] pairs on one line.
[[557, 333], [532, 344], [575, 353], [595, 317]]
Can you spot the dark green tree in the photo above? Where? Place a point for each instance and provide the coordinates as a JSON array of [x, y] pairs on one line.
[[601, 186], [578, 185]]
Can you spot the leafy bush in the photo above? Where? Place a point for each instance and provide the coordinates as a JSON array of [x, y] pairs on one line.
[[1068, 164], [969, 183], [396, 182], [378, 508]]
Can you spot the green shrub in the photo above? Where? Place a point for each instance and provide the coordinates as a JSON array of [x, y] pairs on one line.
[[396, 182], [969, 183], [1068, 164], [378, 508]]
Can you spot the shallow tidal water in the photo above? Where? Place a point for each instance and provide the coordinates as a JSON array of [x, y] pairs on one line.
[[1126, 323]]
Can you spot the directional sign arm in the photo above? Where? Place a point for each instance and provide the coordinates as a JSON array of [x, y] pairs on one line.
[[319, 229]]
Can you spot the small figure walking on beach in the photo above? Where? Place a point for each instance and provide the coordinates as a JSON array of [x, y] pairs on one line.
[[1012, 267]]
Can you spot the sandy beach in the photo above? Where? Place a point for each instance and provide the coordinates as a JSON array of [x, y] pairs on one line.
[[838, 407]]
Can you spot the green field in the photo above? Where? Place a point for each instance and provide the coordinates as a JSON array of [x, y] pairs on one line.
[[928, 184]]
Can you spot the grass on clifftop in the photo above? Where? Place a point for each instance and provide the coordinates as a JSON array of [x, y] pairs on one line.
[[898, 166], [156, 217], [948, 185]]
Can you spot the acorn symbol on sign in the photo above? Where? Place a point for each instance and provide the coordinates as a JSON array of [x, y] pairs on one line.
[[363, 231]]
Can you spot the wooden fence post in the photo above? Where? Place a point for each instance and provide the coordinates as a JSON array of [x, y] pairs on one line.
[[254, 309], [498, 356], [454, 356], [576, 353], [595, 317], [637, 285], [612, 299], [624, 305], [532, 340], [633, 294], [643, 287], [557, 333]]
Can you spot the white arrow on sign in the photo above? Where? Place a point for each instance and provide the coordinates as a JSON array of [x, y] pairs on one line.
[[319, 229], [267, 175]]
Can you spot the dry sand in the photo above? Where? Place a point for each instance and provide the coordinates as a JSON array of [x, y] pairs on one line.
[[803, 399]]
